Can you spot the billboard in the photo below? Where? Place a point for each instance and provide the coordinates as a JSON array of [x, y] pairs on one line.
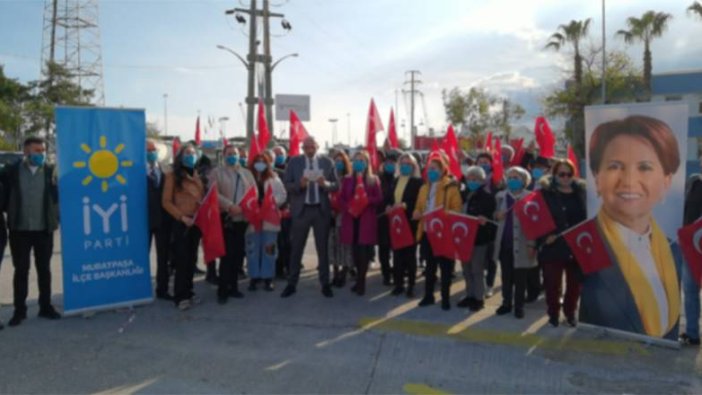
[[298, 103]]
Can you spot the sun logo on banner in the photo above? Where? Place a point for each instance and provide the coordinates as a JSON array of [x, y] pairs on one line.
[[103, 164]]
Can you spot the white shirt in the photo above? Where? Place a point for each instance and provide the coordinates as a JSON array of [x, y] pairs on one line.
[[640, 247]]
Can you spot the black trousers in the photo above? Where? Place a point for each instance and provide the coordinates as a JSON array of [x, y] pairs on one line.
[[490, 266], [384, 248], [534, 283], [361, 259], [163, 253], [185, 244], [21, 245], [404, 263], [313, 218], [434, 262], [282, 264], [514, 281], [233, 260], [3, 237]]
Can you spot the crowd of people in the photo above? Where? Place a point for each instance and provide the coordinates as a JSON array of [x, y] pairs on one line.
[[316, 192]]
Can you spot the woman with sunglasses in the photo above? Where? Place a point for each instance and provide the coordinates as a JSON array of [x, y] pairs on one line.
[[566, 199]]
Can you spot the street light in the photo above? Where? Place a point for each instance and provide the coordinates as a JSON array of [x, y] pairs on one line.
[[231, 51], [291, 55], [250, 98]]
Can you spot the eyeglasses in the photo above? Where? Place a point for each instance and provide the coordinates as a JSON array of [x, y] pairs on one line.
[[565, 175]]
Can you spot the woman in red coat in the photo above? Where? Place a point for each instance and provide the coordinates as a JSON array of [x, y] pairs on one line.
[[359, 221]]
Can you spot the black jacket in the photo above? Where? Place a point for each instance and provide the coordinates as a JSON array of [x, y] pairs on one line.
[[559, 250], [158, 217], [482, 203], [693, 199]]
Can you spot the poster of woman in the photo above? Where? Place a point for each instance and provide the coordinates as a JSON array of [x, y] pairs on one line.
[[636, 177]]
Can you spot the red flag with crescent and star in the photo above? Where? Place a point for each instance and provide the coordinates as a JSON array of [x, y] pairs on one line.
[[450, 146], [545, 138], [250, 207], [297, 134], [438, 231], [534, 215], [464, 229], [373, 126], [498, 168], [587, 247], [269, 209], [690, 241], [359, 202], [392, 131], [208, 220], [400, 231]]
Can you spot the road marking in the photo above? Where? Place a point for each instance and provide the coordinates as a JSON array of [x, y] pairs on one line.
[[422, 389], [529, 341]]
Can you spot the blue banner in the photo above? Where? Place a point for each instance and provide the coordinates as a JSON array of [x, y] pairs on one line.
[[102, 203]]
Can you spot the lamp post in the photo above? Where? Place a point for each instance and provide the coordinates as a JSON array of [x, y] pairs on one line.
[[250, 98], [269, 86]]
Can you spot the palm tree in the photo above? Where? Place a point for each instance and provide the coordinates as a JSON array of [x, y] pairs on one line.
[[573, 33], [652, 24], [695, 8]]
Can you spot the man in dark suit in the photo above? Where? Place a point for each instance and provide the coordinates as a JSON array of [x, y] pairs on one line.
[[308, 179], [159, 220], [32, 217]]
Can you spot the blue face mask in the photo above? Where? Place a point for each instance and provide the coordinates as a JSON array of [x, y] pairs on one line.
[[474, 185], [359, 166], [189, 161], [389, 168], [487, 168], [340, 166], [242, 161], [260, 166], [37, 159], [152, 156], [232, 160], [433, 175], [280, 160], [537, 173], [515, 184], [406, 169]]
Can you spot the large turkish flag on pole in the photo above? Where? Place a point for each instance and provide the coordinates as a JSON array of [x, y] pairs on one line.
[[587, 246], [400, 231], [373, 126], [689, 239], [534, 215], [208, 220], [450, 146], [439, 233], [464, 229]]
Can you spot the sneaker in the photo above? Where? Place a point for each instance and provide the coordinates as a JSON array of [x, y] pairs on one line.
[[17, 318], [688, 341], [502, 310], [184, 305]]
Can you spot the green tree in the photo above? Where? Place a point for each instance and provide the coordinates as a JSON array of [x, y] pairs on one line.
[[651, 25], [13, 97], [695, 8], [470, 110], [571, 34], [506, 114]]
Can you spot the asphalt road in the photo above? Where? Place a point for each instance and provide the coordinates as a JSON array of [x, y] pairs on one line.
[[309, 344]]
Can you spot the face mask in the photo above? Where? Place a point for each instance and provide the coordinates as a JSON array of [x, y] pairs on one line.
[[537, 172], [486, 168], [232, 160], [189, 161], [433, 175], [474, 185], [242, 161], [340, 166], [152, 156], [406, 169], [359, 166], [515, 184], [260, 166], [280, 160], [390, 168], [37, 159]]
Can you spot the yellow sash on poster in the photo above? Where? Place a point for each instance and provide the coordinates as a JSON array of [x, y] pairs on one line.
[[639, 286]]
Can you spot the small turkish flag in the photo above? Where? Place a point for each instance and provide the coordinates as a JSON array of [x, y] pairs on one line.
[[400, 231], [587, 246], [534, 215], [297, 134], [450, 146], [439, 233], [360, 199], [250, 207], [210, 224], [689, 238], [498, 168], [545, 138], [464, 229], [269, 209]]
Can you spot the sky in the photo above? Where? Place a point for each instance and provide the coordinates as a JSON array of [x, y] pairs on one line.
[[349, 52]]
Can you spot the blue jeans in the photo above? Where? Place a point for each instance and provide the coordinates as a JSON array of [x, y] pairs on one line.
[[691, 292], [261, 253]]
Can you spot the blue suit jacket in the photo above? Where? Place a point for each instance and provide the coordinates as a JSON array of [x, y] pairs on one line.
[[607, 301]]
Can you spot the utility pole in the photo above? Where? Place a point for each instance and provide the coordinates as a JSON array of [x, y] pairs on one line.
[[413, 82]]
